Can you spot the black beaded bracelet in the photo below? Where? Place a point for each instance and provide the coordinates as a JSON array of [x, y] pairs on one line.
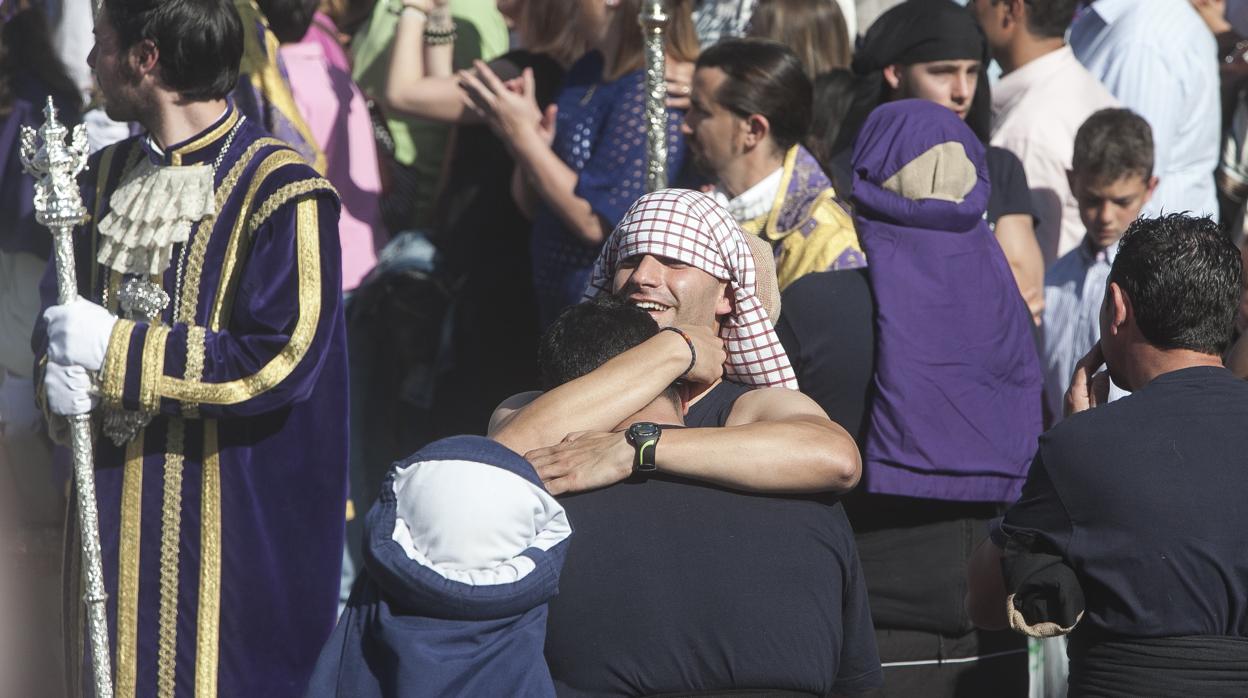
[[693, 353]]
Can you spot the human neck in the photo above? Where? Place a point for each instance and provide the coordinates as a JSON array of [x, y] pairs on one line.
[[610, 49], [1025, 49], [751, 168], [1150, 362], [174, 120]]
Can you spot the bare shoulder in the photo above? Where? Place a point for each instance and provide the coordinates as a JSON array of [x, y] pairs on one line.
[[508, 409], [773, 404]]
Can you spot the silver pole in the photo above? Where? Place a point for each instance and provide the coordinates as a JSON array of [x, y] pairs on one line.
[[653, 20], [55, 164]]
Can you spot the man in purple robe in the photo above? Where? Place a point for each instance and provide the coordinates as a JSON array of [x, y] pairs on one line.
[[221, 466]]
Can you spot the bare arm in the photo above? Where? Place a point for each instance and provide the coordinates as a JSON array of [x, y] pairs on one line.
[[600, 400], [985, 588], [776, 440], [516, 118], [421, 80], [1017, 237]]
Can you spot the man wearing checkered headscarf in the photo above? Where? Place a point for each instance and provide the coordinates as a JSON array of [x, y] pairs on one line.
[[693, 229]]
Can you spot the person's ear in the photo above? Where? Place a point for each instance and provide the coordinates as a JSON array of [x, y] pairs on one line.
[[723, 306], [1152, 187], [143, 57], [757, 129], [892, 76], [1015, 12], [1120, 310]]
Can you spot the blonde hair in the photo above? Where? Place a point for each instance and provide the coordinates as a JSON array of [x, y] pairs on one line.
[[549, 27], [814, 29], [680, 37]]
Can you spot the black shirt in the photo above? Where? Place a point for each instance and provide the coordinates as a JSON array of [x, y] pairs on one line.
[[827, 328], [1009, 194], [1145, 499], [675, 586]]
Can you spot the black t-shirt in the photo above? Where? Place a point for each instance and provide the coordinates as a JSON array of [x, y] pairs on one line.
[[1010, 193], [672, 586], [828, 330], [1145, 499]]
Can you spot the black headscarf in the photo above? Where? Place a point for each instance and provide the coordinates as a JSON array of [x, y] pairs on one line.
[[919, 31], [916, 31]]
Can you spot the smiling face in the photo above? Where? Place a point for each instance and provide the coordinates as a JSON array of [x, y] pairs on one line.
[[673, 293], [950, 84], [1106, 209]]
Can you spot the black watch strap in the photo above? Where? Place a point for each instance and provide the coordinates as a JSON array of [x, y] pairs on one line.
[[644, 437]]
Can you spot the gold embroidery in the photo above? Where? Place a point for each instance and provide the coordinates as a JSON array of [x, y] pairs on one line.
[[175, 157], [195, 338], [308, 270], [153, 367], [170, 533], [285, 194], [116, 357], [203, 234], [235, 249], [208, 622], [128, 568]]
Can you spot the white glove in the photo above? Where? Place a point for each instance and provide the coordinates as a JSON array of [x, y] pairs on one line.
[[78, 333], [18, 412], [68, 389]]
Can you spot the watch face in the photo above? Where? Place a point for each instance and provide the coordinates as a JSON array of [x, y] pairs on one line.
[[642, 430]]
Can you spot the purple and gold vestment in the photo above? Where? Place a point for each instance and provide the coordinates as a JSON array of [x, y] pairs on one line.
[[222, 520]]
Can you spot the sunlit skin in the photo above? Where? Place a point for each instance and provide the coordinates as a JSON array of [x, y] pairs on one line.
[[714, 134], [950, 84], [1106, 209], [673, 293], [114, 73]]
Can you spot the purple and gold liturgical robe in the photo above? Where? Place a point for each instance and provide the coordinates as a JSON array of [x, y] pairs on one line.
[[222, 520]]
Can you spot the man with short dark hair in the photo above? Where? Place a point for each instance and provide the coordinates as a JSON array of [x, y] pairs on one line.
[[211, 314], [751, 107], [1130, 528], [1112, 179], [1044, 94], [674, 587]]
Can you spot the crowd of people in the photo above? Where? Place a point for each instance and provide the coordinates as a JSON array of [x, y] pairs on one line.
[[921, 379]]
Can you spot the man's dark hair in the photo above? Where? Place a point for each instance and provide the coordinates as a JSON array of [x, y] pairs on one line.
[[200, 41], [1183, 278], [288, 19], [1112, 144], [1049, 19], [587, 335], [765, 78]]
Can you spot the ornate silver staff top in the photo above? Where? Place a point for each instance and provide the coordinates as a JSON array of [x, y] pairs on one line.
[[653, 20], [54, 159], [55, 165]]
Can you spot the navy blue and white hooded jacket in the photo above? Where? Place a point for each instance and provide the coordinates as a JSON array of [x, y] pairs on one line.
[[461, 553]]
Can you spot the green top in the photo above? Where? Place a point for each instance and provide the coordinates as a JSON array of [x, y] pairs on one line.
[[420, 143]]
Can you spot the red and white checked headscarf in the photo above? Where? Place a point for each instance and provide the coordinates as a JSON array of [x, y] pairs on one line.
[[692, 228]]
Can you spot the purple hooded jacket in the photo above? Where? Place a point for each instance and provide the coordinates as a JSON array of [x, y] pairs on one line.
[[957, 408]]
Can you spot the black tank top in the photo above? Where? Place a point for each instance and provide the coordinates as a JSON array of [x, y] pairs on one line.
[[713, 409]]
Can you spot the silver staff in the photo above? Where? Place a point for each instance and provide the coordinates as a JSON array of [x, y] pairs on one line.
[[55, 164], [653, 20]]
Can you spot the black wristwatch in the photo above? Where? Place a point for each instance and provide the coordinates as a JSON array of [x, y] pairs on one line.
[[644, 437]]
